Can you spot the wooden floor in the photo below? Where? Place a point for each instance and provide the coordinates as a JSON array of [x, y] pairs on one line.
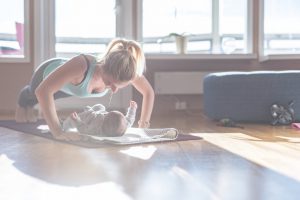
[[255, 163]]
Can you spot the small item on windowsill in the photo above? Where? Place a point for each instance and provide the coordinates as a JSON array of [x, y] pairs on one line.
[[226, 122]]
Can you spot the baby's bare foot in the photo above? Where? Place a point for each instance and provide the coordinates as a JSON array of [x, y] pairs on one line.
[[74, 116]]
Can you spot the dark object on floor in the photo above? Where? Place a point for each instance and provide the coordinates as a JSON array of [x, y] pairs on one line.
[[229, 123], [282, 115], [39, 128]]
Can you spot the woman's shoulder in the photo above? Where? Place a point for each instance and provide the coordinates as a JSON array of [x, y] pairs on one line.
[[90, 58], [82, 61]]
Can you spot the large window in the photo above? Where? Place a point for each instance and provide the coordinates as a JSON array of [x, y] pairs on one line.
[[211, 26], [13, 20], [281, 27], [83, 26]]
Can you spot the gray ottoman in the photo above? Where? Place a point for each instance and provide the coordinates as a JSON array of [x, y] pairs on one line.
[[248, 96]]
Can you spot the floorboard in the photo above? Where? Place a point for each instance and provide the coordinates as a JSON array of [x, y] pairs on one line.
[[258, 162]]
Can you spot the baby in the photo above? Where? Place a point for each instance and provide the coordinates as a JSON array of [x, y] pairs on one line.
[[97, 121]]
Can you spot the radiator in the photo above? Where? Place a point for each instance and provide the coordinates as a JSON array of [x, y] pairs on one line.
[[179, 82]]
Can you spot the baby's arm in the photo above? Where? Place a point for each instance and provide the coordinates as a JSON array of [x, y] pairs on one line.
[[131, 112]]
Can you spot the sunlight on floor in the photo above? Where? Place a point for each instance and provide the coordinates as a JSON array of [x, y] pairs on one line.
[[13, 180], [188, 179], [140, 152], [43, 128], [280, 156], [290, 139]]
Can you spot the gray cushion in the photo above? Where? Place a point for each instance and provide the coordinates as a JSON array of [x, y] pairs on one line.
[[247, 96]]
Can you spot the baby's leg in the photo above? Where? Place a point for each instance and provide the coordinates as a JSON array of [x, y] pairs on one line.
[[69, 123], [74, 116]]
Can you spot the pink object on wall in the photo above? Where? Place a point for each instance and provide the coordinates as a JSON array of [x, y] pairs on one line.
[[7, 50], [20, 34]]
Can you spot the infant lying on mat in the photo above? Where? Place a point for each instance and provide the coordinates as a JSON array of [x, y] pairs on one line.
[[97, 121]]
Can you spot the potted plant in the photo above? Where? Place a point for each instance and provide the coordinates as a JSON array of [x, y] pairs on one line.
[[181, 42]]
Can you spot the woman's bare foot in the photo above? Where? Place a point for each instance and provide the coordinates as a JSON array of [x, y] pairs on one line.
[[25, 114], [31, 115], [21, 114]]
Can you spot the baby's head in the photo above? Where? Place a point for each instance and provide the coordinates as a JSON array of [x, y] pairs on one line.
[[114, 124]]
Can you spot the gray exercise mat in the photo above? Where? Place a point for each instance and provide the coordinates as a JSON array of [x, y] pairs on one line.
[[131, 137]]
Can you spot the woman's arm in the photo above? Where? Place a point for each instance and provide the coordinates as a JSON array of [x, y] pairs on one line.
[[70, 72], [144, 87]]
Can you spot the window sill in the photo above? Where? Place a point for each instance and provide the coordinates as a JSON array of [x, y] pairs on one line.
[[200, 56], [14, 59], [279, 57]]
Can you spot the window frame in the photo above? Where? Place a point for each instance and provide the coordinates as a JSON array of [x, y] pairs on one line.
[[215, 37], [25, 58], [131, 16], [261, 51]]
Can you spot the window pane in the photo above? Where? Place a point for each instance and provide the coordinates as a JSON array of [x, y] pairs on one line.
[[84, 26], [12, 27], [233, 14], [282, 27], [192, 17], [175, 16], [198, 20], [233, 27]]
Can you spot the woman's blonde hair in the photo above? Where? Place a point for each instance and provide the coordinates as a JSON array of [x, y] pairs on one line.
[[124, 60]]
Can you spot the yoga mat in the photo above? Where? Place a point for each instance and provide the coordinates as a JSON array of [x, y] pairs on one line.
[[131, 137]]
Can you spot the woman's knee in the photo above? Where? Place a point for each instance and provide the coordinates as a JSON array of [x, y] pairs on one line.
[[27, 97]]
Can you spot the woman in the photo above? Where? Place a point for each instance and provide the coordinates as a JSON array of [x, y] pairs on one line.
[[86, 76]]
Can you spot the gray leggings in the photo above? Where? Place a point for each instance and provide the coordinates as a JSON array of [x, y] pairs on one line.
[[27, 96]]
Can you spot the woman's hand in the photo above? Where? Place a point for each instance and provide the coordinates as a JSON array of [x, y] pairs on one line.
[[143, 124], [144, 87]]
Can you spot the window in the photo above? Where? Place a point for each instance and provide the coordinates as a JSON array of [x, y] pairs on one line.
[[13, 20], [83, 26], [233, 26], [212, 26], [281, 27], [173, 16]]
